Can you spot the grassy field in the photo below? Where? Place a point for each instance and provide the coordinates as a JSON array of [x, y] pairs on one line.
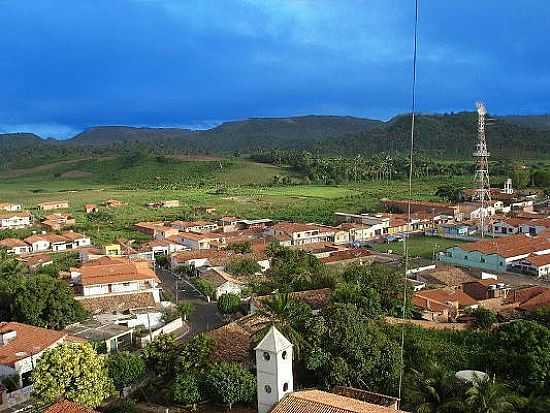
[[238, 187], [423, 247]]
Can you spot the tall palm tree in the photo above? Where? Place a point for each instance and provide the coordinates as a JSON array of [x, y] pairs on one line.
[[435, 391], [288, 315], [487, 396]]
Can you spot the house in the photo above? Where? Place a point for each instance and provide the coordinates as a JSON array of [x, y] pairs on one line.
[[486, 289], [344, 257], [8, 206], [65, 406], [201, 240], [442, 304], [495, 255], [229, 224], [41, 242], [114, 276], [58, 221], [156, 230], [170, 203], [444, 276], [90, 208], [457, 230], [195, 226], [316, 299], [162, 247], [15, 246], [255, 224], [76, 240], [537, 265], [113, 203], [432, 208], [222, 282], [22, 345], [36, 261], [292, 234], [15, 220], [197, 258], [51, 205], [114, 336]]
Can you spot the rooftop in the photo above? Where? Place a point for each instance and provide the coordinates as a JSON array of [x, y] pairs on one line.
[[507, 247], [65, 406]]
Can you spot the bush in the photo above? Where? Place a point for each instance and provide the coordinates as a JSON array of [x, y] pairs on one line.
[[204, 287], [229, 383], [245, 266], [186, 389], [483, 318], [125, 369], [229, 303]]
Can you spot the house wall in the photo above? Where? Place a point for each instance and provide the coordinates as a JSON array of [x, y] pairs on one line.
[[125, 287], [228, 288], [95, 290], [474, 259], [40, 246], [15, 222], [59, 247]]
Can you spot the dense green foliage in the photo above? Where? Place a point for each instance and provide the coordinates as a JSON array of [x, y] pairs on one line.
[[229, 303], [74, 372], [229, 383], [125, 369], [244, 266], [161, 354]]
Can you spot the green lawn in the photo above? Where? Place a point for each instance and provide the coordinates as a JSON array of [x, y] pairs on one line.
[[419, 246]]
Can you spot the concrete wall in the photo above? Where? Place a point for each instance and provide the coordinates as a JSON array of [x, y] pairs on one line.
[[474, 259]]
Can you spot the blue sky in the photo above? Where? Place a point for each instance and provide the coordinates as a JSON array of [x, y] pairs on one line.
[[70, 64]]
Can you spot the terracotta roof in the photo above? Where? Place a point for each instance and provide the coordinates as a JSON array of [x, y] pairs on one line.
[[115, 273], [199, 254], [66, 406], [29, 340], [36, 259], [346, 255], [538, 301], [445, 296], [118, 302], [189, 224], [316, 299], [539, 260], [523, 294], [446, 275], [235, 341], [428, 304], [317, 401], [73, 235], [12, 242], [507, 247]]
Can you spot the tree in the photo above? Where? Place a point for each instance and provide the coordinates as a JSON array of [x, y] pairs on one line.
[[541, 315], [229, 383], [74, 372], [240, 247], [204, 287], [436, 391], [185, 310], [364, 297], [483, 318], [295, 270], [532, 403], [229, 303], [486, 396], [244, 266], [125, 369], [289, 316], [195, 354], [161, 354], [186, 389], [451, 193], [519, 174]]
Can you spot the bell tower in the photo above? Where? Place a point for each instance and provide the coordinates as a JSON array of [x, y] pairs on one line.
[[274, 369]]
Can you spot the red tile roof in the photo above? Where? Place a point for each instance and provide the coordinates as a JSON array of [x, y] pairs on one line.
[[66, 406], [446, 296], [536, 302], [115, 273], [508, 246], [29, 340], [12, 242], [346, 255]]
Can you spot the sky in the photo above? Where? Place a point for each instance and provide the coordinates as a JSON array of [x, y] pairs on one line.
[[66, 65]]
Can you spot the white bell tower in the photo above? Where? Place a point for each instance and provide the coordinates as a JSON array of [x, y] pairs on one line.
[[274, 369]]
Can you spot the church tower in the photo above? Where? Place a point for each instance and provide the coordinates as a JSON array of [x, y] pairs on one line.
[[274, 369]]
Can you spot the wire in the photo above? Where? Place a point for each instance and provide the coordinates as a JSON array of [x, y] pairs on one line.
[[406, 242]]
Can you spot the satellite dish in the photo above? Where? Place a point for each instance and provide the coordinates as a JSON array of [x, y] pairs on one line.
[[471, 376]]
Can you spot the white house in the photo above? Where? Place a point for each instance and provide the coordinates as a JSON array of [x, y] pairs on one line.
[[76, 240], [222, 282], [194, 226], [8, 206], [291, 233], [15, 246], [200, 241], [15, 219], [22, 345]]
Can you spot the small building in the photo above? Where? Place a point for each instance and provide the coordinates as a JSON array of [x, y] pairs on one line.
[[36, 261], [22, 345], [58, 221], [162, 247], [221, 281], [173, 203], [15, 220], [51, 205], [344, 257], [201, 241], [486, 289], [15, 246], [8, 206], [537, 265], [90, 208], [76, 240], [292, 234], [199, 226], [114, 337], [156, 230], [113, 203], [442, 304]]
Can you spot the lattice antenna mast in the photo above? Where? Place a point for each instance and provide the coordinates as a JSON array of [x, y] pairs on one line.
[[481, 156]]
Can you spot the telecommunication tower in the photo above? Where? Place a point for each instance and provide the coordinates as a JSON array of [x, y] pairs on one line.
[[481, 156]]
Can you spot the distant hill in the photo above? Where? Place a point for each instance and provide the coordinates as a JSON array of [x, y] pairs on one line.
[[446, 136], [108, 135], [532, 121]]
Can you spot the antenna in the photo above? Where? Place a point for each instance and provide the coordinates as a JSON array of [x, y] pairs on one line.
[[481, 179]]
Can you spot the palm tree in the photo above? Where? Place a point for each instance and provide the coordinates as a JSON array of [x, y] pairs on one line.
[[435, 391], [288, 316], [487, 396], [534, 403]]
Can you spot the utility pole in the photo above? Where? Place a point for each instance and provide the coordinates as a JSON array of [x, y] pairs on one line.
[[481, 179]]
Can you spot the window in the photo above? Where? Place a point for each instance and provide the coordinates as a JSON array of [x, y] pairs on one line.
[[285, 387], [466, 257], [267, 388], [284, 354], [267, 356], [482, 259]]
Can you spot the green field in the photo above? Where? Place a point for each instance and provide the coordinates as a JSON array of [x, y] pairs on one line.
[[233, 187], [424, 247]]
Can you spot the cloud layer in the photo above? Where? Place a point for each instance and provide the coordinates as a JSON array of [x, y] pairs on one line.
[[71, 65]]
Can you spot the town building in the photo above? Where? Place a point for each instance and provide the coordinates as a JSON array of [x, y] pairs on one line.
[[90, 208], [201, 240], [113, 203], [51, 205], [15, 220], [431, 208], [293, 234], [496, 255], [58, 221], [442, 304], [8, 206], [221, 281], [195, 226], [15, 246]]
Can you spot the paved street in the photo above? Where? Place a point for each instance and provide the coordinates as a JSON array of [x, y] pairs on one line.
[[205, 315]]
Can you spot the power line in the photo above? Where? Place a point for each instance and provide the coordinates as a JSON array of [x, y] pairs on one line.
[[411, 159]]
